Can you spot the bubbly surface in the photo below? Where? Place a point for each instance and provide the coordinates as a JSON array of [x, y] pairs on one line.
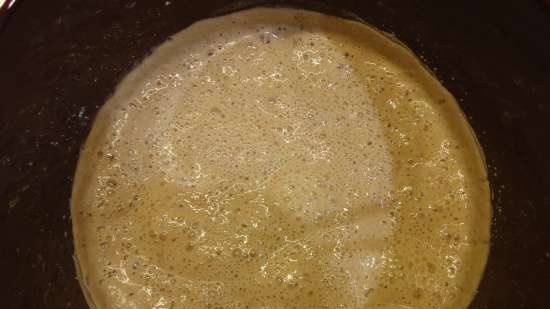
[[278, 158]]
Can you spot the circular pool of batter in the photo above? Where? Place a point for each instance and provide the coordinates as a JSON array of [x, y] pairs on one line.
[[279, 158]]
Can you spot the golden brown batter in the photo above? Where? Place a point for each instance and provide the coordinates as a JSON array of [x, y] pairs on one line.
[[277, 158]]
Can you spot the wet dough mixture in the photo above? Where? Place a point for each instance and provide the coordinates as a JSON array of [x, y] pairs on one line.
[[278, 158]]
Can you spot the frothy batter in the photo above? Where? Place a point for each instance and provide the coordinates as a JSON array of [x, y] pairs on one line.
[[278, 158]]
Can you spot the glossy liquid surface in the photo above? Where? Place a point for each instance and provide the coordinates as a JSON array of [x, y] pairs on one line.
[[277, 158]]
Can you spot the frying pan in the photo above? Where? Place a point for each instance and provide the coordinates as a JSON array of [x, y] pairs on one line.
[[60, 61]]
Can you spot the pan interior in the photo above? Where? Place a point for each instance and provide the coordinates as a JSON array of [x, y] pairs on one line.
[[279, 158]]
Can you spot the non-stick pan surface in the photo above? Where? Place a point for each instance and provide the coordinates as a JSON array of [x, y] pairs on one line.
[[60, 60]]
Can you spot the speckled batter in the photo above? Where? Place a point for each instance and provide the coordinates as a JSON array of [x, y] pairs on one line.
[[277, 158]]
